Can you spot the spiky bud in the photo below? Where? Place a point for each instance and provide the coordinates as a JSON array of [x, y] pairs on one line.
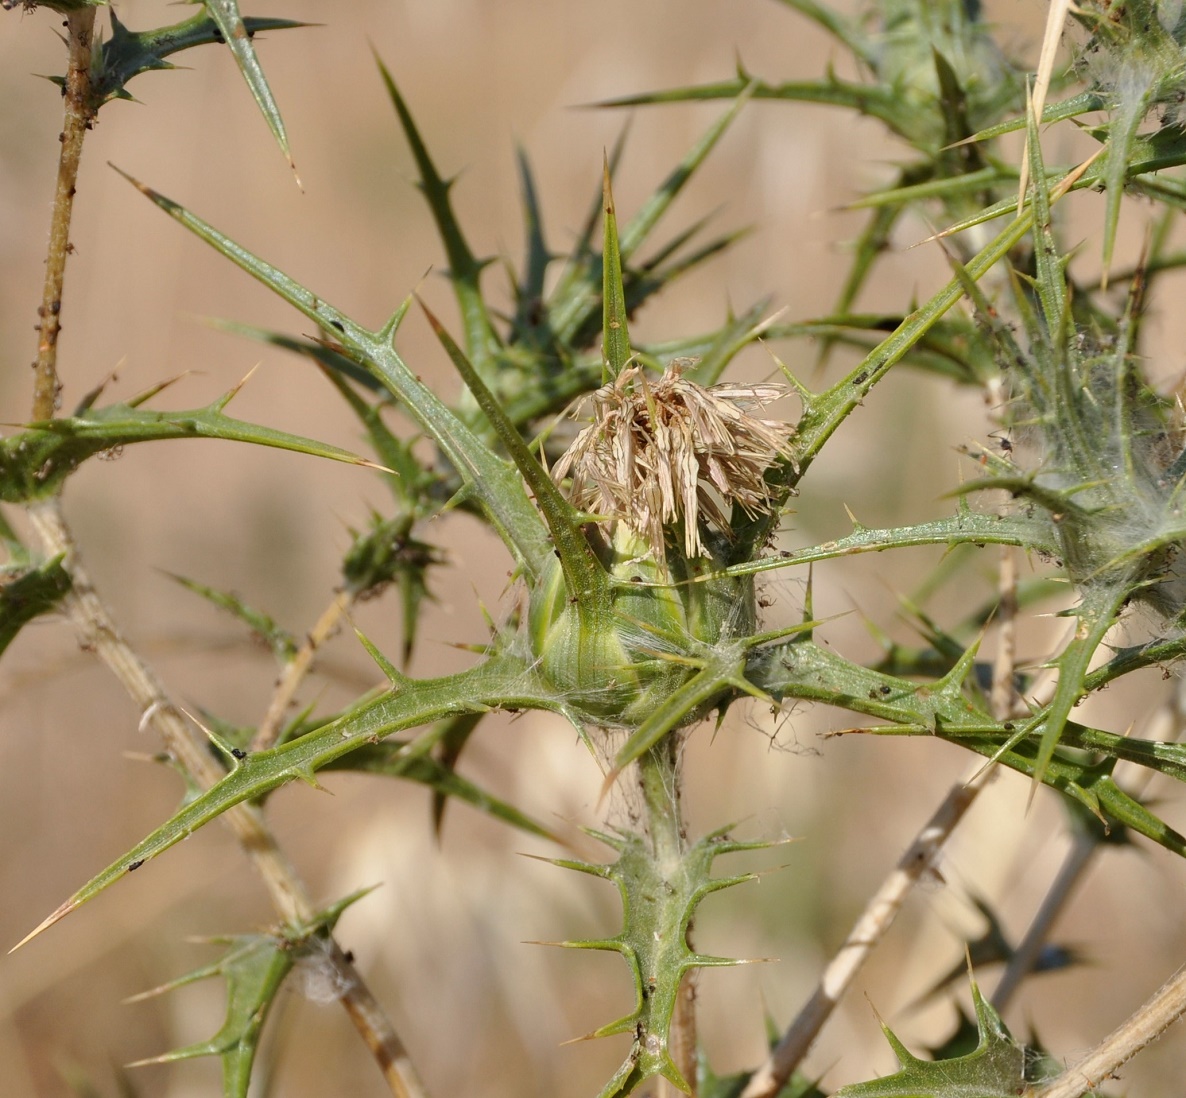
[[618, 663], [662, 464]]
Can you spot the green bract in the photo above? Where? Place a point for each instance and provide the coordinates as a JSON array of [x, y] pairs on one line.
[[618, 664]]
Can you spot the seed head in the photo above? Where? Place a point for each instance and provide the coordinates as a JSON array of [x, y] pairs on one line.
[[671, 450]]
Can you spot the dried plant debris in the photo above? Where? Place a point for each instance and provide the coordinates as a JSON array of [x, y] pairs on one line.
[[667, 451]]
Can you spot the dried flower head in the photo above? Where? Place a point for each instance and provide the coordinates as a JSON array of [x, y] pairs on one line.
[[667, 450]]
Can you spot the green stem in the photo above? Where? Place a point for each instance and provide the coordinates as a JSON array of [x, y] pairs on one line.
[[79, 113], [660, 777]]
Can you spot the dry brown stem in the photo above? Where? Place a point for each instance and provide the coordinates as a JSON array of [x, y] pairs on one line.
[[1161, 1011], [78, 116], [97, 629], [295, 671], [870, 928]]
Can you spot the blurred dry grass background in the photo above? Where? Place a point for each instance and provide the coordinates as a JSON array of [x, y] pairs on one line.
[[441, 941]]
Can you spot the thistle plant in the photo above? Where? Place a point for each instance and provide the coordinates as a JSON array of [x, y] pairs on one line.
[[632, 615]]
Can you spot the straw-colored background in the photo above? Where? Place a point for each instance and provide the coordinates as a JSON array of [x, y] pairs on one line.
[[442, 940]]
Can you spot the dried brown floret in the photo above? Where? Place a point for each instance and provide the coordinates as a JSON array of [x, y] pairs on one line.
[[670, 450]]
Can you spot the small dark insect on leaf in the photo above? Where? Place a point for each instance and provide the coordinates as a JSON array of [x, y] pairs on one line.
[[133, 866], [238, 752]]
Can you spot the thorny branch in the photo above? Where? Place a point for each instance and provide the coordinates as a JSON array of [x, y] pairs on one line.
[[78, 118], [98, 630]]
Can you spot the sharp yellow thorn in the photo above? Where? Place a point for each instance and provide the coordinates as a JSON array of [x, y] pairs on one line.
[[1074, 175], [310, 779], [206, 731], [151, 993], [163, 1059], [46, 923], [578, 1040], [606, 785], [237, 387], [1056, 17], [537, 857], [1034, 786], [366, 463]]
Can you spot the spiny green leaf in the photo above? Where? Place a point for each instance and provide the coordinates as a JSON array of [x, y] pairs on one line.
[[314, 350], [530, 288], [585, 579], [712, 352], [721, 673], [920, 184], [1081, 103], [409, 477], [903, 49], [225, 14], [465, 270], [1097, 613], [1089, 783], [638, 229], [492, 482], [1052, 287], [616, 352], [453, 739], [806, 670], [254, 967], [826, 411], [950, 348], [574, 303], [282, 643], [501, 681], [834, 405], [995, 1069], [965, 528], [864, 99], [1149, 157], [872, 242], [392, 760], [226, 735], [27, 592], [388, 553], [129, 53], [35, 461]]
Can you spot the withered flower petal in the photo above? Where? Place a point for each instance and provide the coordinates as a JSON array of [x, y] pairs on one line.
[[670, 450]]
